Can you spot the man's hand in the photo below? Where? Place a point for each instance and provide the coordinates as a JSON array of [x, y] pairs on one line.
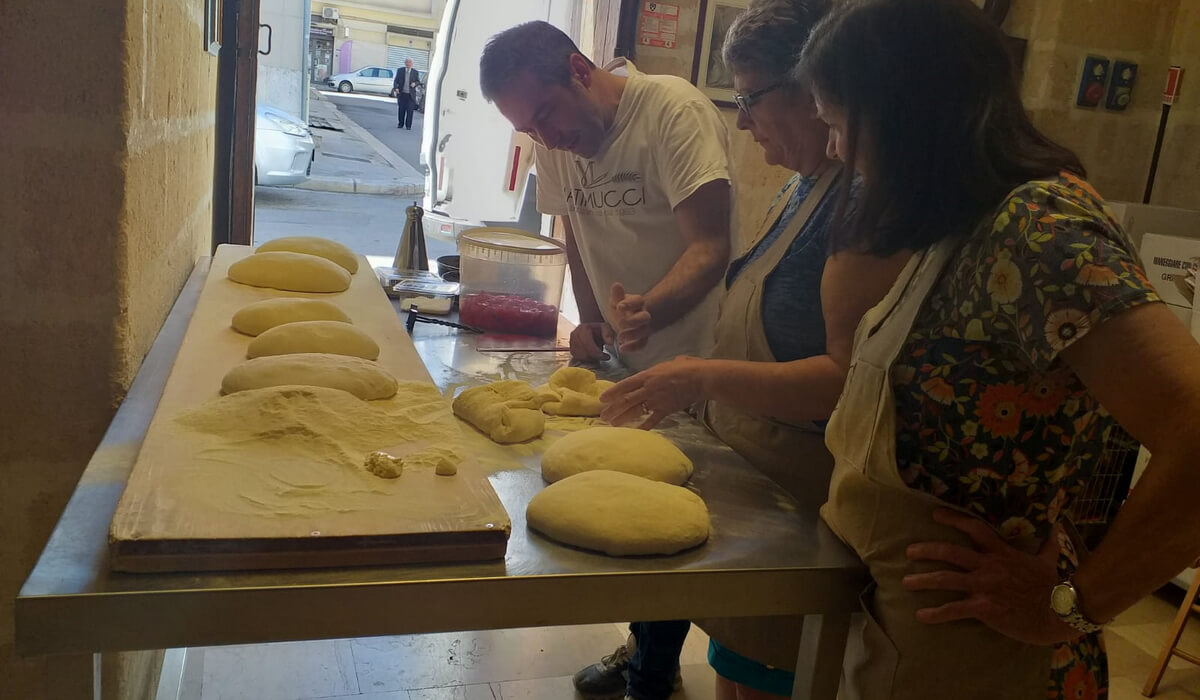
[[1005, 588], [588, 341], [660, 391], [631, 318]]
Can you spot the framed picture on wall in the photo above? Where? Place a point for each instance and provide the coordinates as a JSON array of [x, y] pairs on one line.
[[708, 69]]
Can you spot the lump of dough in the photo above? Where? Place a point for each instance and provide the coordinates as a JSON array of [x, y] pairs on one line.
[[573, 403], [444, 462], [383, 465], [576, 392], [629, 450], [292, 272], [314, 336], [265, 315], [619, 514], [576, 378], [365, 379], [311, 245], [506, 411]]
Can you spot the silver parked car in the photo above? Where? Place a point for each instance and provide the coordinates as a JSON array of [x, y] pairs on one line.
[[375, 79], [283, 148]]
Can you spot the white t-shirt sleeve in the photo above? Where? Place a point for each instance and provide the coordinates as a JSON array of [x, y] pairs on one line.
[[551, 197], [693, 150]]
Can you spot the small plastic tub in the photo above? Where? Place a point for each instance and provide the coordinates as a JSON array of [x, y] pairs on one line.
[[511, 281]]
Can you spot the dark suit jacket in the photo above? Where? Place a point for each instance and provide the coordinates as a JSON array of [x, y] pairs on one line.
[[398, 81]]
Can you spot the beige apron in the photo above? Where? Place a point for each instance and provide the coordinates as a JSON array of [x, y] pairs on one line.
[[893, 656], [770, 445]]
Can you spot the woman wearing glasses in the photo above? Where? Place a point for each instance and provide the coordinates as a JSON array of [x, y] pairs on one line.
[[786, 324]]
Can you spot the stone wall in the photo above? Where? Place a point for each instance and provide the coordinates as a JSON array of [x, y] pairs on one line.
[[282, 74], [1115, 147], [1177, 182], [107, 194]]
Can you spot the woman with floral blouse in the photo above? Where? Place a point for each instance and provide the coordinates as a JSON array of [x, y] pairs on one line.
[[982, 388]]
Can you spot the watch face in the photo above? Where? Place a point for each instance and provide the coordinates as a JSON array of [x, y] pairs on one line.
[[1062, 599]]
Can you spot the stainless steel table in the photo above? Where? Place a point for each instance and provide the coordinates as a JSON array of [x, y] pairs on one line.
[[767, 556]]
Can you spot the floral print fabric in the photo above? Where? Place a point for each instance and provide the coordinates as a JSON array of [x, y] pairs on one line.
[[988, 417]]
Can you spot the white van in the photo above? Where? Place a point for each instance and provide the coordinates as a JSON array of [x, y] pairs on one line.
[[478, 171]]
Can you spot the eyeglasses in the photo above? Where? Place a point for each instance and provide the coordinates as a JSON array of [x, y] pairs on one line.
[[745, 102]]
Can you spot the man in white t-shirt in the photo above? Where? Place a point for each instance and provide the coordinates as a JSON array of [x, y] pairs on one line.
[[637, 166]]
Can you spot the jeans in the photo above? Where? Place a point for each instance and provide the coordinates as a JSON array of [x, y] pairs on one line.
[[652, 668]]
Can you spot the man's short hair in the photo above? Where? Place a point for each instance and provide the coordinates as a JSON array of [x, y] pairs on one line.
[[538, 47]]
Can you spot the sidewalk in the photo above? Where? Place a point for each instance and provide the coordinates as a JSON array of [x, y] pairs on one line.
[[350, 160]]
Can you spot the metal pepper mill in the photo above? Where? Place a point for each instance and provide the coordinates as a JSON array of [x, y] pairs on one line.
[[411, 254]]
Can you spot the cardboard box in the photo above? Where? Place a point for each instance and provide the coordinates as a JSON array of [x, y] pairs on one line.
[[1171, 264], [1138, 219]]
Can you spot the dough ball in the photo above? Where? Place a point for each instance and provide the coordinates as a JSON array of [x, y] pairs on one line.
[[365, 379], [619, 514], [311, 245], [265, 315], [629, 450], [314, 336], [507, 411], [292, 272]]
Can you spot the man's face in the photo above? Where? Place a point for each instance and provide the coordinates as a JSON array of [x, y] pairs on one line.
[[408, 63], [560, 117]]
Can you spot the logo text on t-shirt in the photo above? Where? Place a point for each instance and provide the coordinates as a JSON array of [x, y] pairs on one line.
[[618, 194]]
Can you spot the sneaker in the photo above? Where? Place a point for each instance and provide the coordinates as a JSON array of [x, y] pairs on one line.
[[606, 680], [609, 679]]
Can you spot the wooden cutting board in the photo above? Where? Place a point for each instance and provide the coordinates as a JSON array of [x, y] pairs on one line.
[[164, 522]]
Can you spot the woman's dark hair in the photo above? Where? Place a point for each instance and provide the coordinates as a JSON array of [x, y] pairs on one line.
[[767, 38], [930, 89]]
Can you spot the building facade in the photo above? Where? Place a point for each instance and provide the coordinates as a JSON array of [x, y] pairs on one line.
[[347, 36]]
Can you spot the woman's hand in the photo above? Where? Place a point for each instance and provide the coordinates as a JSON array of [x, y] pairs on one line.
[[1005, 588], [659, 391]]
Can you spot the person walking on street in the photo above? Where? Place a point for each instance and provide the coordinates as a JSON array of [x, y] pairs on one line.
[[404, 90]]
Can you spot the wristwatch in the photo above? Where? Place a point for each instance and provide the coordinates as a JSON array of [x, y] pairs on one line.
[[1064, 601]]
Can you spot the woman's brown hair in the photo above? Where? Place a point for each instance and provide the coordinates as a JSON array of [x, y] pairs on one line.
[[930, 88]]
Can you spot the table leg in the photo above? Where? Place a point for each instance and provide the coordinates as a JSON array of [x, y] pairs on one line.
[[822, 648], [73, 677]]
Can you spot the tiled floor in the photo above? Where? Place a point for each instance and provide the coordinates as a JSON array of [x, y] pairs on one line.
[[537, 664]]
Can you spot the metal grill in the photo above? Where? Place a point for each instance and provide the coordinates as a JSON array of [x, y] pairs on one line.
[[1104, 493]]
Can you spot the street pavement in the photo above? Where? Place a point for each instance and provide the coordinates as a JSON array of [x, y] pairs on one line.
[[377, 114], [349, 159], [368, 224]]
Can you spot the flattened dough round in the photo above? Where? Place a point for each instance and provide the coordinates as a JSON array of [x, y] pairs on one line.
[[292, 272], [619, 514], [629, 450], [365, 379], [265, 315], [312, 245], [314, 336]]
